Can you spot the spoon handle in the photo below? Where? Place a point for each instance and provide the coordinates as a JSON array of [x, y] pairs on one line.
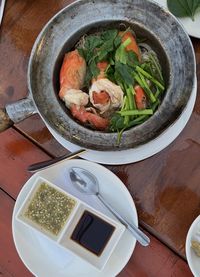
[[137, 233]]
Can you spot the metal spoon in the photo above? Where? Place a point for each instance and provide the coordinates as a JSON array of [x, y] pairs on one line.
[[86, 182]]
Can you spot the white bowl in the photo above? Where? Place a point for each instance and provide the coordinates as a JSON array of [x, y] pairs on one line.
[[63, 238], [192, 258]]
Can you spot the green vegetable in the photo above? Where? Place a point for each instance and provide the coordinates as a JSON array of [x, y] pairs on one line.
[[136, 112], [124, 72], [147, 75], [183, 8]]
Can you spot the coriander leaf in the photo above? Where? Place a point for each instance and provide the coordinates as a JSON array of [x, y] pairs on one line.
[[90, 45], [117, 41], [132, 58], [104, 50], [91, 72], [117, 122], [94, 69], [124, 73], [81, 51], [121, 54], [92, 42], [110, 73], [108, 46], [109, 35]]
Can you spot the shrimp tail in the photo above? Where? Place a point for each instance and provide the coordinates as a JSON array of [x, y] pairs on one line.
[[80, 113]]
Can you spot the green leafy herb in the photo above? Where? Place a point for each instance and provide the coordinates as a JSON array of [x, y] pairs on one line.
[[183, 8], [117, 122], [98, 48], [124, 72]]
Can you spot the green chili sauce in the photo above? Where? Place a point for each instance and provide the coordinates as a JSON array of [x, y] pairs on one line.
[[50, 208]]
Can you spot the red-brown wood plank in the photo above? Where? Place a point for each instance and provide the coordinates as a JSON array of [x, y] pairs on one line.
[[16, 153], [10, 263], [154, 261]]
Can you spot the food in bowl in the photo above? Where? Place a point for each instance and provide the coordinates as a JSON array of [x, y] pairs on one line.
[[110, 81], [64, 30]]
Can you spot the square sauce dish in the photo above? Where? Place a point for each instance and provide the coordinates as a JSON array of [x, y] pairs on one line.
[[92, 235], [47, 209]]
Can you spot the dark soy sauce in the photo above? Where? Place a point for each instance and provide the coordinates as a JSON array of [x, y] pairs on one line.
[[92, 232]]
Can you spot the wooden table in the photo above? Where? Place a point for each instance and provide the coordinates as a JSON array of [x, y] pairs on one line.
[[165, 187]]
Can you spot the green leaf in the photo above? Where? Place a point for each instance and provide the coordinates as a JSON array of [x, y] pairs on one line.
[[196, 5], [104, 50], [110, 73], [183, 8], [91, 72], [132, 58], [117, 122], [92, 42], [109, 35], [117, 41], [178, 8], [124, 72], [94, 69], [121, 54]]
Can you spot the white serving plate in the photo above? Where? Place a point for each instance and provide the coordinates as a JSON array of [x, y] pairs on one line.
[[48, 260]]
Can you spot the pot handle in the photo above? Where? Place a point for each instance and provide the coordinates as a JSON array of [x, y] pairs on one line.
[[16, 112]]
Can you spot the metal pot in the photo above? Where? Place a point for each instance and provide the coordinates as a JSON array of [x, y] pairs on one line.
[[162, 31]]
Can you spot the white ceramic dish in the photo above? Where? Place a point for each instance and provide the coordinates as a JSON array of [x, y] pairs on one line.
[[31, 224], [192, 27], [139, 153], [48, 260], [97, 261], [63, 239], [192, 258]]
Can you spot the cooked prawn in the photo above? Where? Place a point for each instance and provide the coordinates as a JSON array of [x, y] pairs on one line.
[[73, 71], [72, 75], [80, 113]]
